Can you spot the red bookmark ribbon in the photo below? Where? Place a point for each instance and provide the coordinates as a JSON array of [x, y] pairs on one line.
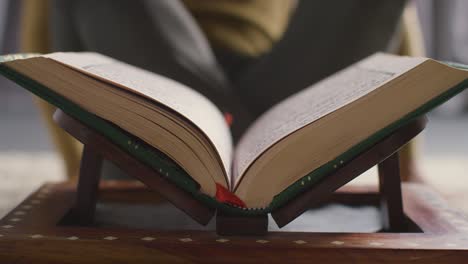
[[223, 195], [229, 118]]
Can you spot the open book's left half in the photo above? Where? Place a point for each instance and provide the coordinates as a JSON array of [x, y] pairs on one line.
[[168, 116]]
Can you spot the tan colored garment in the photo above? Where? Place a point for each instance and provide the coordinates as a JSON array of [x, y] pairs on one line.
[[35, 37], [34, 26], [249, 27]]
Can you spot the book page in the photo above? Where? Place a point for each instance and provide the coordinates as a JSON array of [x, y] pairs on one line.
[[316, 102], [187, 102]]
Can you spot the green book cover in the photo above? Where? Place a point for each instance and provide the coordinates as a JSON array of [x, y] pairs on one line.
[[169, 169]]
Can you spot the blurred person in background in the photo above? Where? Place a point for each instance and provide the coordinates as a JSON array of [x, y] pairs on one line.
[[259, 51], [243, 55]]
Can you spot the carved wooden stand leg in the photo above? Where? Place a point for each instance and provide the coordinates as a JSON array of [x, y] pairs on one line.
[[88, 183], [391, 205]]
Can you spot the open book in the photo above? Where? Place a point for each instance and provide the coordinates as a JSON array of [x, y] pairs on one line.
[[289, 148]]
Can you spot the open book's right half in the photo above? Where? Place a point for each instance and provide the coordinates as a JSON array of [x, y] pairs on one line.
[[312, 133]]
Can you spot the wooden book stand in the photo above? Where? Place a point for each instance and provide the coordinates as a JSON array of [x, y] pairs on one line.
[[384, 154], [59, 222]]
